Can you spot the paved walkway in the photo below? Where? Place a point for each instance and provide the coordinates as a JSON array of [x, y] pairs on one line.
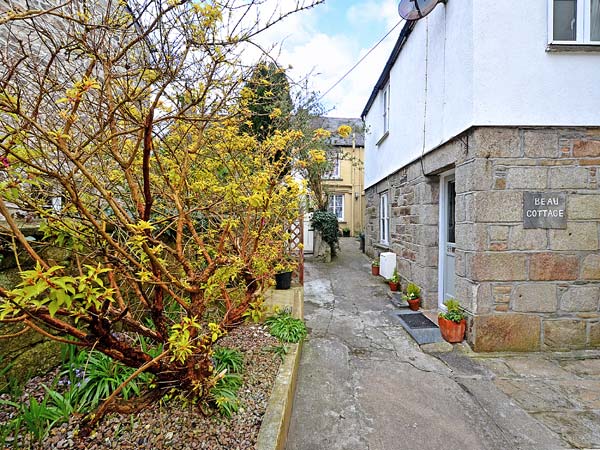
[[364, 384]]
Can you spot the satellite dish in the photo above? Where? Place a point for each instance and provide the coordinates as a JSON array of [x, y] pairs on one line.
[[416, 9]]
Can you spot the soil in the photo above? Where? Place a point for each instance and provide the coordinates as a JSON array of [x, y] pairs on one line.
[[173, 424]]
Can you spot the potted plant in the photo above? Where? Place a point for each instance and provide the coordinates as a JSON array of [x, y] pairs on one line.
[[413, 296], [453, 322], [346, 232], [394, 282], [375, 267], [283, 273]]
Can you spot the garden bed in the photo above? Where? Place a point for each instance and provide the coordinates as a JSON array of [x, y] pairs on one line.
[[173, 424]]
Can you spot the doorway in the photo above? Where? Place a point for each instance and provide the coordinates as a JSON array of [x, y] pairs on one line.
[[447, 239]]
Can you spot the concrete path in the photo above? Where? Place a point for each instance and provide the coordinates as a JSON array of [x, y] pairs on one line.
[[364, 384]]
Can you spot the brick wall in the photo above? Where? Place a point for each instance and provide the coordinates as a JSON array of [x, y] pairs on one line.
[[525, 289]]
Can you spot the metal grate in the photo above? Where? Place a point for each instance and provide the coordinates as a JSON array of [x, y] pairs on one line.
[[416, 320]]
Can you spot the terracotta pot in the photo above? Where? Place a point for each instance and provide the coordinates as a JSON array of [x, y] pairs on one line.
[[451, 331], [394, 286], [374, 270], [414, 304]]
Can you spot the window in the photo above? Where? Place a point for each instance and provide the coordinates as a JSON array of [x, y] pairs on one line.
[[451, 213], [334, 173], [384, 219], [386, 109], [574, 22], [336, 205]]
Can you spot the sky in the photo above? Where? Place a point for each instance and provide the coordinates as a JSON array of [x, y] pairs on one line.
[[327, 40]]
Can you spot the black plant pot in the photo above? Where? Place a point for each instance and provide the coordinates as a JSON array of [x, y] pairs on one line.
[[283, 280]]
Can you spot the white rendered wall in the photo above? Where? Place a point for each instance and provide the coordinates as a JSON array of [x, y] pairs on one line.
[[443, 44], [487, 64], [517, 82]]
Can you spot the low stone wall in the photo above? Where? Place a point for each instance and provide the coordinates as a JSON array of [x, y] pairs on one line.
[[29, 354], [524, 289], [276, 421]]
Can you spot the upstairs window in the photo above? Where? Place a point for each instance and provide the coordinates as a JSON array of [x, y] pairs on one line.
[[386, 109], [574, 22], [334, 173]]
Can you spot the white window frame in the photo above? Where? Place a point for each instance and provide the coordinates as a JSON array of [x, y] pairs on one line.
[[332, 208], [385, 113], [583, 24], [335, 172], [384, 218]]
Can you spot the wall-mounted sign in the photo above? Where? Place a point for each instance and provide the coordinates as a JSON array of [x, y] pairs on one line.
[[544, 210]]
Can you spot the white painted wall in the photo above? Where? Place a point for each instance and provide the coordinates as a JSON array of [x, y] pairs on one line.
[[487, 64], [435, 64], [517, 82]]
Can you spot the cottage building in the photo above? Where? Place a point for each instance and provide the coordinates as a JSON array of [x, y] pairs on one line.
[[344, 183], [482, 156]]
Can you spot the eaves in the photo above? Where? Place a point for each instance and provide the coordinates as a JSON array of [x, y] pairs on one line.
[[385, 75]]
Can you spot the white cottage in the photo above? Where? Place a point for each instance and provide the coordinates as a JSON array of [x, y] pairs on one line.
[[481, 167]]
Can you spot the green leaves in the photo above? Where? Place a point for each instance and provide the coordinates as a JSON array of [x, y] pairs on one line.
[[47, 288], [228, 364], [286, 328], [228, 359], [327, 223]]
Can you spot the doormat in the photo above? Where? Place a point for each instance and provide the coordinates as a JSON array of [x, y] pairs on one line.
[[422, 330], [417, 320]]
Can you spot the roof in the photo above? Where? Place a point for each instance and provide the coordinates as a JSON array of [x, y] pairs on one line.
[[385, 75], [333, 123]]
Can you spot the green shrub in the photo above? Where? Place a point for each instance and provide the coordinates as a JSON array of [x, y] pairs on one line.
[[286, 328], [94, 376], [327, 223], [224, 393], [228, 358]]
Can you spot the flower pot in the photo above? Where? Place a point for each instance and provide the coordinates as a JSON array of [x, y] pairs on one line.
[[346, 233], [283, 280], [414, 304], [394, 285], [452, 332], [374, 270]]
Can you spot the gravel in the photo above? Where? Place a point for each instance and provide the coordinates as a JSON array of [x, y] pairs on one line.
[[173, 424]]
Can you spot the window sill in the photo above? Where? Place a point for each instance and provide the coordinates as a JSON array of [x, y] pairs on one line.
[[572, 48], [383, 138], [381, 246]]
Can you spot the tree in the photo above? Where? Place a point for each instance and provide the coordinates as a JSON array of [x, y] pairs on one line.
[[175, 217], [270, 102]]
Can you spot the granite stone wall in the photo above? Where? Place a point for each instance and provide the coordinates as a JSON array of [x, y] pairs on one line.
[[524, 289]]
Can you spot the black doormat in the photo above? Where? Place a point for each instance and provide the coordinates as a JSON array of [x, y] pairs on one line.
[[423, 330], [416, 320]]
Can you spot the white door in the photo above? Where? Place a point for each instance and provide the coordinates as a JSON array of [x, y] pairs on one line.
[[447, 241], [309, 234]]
